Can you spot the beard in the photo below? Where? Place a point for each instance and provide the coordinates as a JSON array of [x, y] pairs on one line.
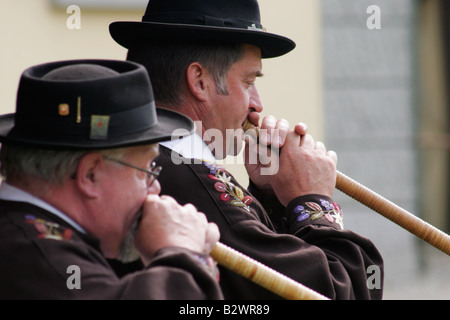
[[127, 251]]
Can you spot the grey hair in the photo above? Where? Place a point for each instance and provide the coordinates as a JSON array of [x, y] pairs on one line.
[[166, 63], [27, 164]]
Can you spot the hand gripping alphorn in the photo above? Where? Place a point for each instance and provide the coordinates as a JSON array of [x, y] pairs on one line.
[[262, 275]]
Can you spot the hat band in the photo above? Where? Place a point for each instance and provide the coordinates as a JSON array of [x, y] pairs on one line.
[[198, 19], [132, 121], [97, 126], [139, 118]]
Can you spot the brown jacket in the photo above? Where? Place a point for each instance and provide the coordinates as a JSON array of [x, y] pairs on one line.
[[42, 257], [304, 241]]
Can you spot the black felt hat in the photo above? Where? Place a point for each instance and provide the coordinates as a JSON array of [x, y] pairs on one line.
[[89, 104], [210, 20]]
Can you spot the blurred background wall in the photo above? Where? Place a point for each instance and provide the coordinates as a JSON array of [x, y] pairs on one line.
[[385, 82], [371, 84]]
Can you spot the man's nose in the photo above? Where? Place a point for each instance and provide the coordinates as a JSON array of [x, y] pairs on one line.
[[255, 101], [155, 188]]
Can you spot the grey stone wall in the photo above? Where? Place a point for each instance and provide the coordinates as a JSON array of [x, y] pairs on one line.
[[371, 106]]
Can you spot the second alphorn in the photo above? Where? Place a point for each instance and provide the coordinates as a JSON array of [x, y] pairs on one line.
[[262, 275], [383, 206]]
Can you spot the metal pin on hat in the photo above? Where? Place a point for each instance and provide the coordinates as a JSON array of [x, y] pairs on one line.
[[78, 110]]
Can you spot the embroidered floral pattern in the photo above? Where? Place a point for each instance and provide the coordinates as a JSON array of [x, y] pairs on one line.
[[314, 211], [49, 230], [229, 192]]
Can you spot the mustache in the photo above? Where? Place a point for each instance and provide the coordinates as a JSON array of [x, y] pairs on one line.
[[127, 250]]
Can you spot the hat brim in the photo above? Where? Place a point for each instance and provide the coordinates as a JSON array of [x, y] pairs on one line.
[[132, 33], [171, 125]]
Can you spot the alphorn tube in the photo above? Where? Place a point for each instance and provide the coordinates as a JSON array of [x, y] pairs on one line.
[[393, 212], [383, 206], [262, 275]]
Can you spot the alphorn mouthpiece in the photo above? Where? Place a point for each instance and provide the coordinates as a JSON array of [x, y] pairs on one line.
[[250, 129]]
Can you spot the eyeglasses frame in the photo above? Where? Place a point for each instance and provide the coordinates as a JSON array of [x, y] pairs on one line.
[[153, 173]]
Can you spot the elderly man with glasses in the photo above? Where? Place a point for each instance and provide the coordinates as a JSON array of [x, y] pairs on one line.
[[80, 188]]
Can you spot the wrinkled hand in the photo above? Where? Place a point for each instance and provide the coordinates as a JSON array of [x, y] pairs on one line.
[[165, 223], [306, 167], [262, 160]]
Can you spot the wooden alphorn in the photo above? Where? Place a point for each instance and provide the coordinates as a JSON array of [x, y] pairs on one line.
[[393, 212], [262, 275], [383, 206], [288, 288]]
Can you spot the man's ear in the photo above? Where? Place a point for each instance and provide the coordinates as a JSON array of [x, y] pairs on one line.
[[198, 81], [88, 173]]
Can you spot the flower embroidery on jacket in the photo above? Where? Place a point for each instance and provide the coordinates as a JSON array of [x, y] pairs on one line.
[[49, 230], [312, 210], [229, 192]]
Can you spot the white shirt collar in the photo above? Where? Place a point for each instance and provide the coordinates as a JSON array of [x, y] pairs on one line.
[[191, 147], [11, 193]]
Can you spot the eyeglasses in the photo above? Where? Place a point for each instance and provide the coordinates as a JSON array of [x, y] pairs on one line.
[[152, 174]]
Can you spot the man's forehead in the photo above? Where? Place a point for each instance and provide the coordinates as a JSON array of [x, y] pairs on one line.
[[250, 62], [251, 48]]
